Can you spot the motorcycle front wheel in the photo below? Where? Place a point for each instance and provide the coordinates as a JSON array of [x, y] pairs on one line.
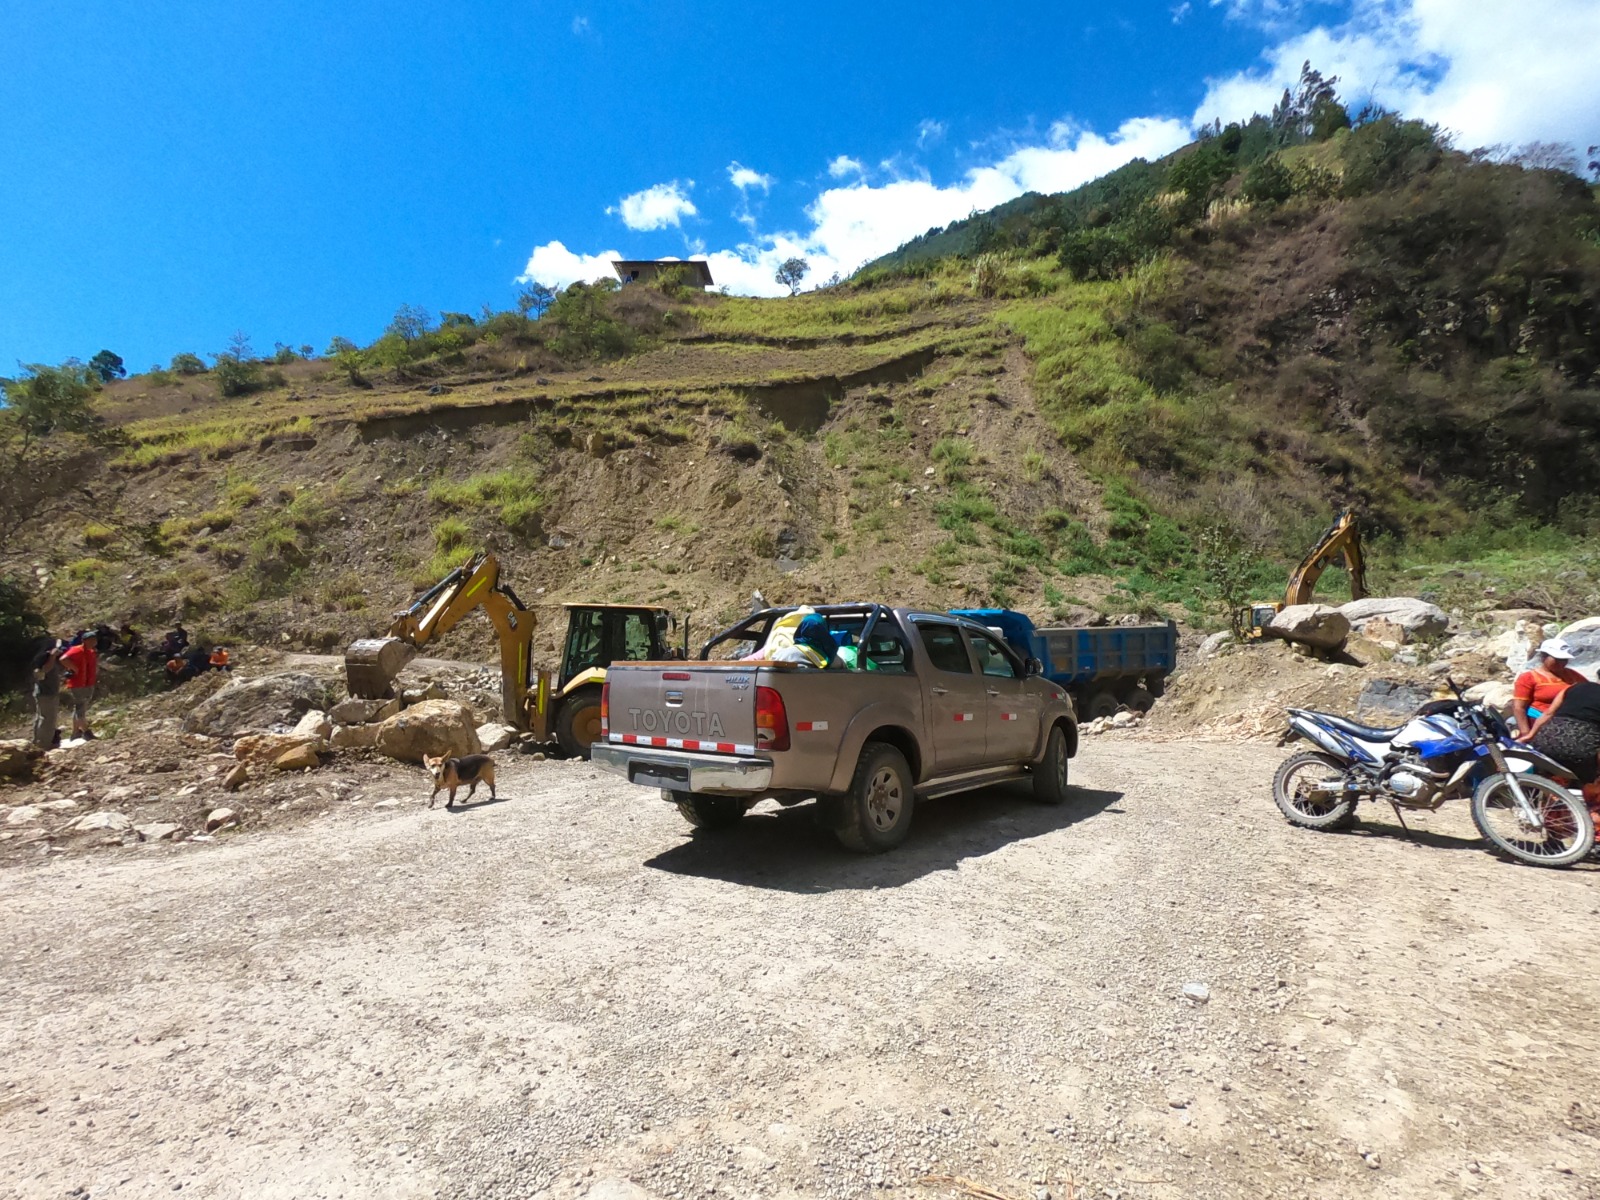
[[1567, 834], [1310, 792]]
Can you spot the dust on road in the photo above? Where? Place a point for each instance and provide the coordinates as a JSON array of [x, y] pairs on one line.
[[561, 990]]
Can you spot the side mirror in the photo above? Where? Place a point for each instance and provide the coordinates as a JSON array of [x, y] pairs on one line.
[[1035, 667]]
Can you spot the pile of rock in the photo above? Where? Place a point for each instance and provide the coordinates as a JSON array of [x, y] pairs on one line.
[[1126, 719]]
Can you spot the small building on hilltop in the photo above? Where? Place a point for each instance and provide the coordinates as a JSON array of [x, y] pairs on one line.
[[696, 272]]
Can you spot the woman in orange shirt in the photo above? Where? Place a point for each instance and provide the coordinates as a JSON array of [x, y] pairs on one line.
[[1536, 688]]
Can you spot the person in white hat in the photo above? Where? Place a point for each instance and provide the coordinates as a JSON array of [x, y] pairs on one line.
[[1547, 676]]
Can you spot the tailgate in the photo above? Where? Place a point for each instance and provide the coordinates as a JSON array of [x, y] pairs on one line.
[[707, 707]]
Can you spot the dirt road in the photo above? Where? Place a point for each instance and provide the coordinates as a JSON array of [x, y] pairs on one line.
[[563, 991]]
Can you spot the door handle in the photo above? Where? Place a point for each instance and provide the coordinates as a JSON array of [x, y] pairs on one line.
[[993, 692], [939, 691]]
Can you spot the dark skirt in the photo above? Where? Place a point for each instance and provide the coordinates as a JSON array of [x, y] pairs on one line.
[[1572, 743]]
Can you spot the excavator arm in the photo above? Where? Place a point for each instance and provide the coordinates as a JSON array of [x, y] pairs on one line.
[[371, 664], [1342, 540]]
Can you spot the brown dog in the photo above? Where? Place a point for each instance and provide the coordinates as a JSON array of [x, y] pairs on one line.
[[455, 773]]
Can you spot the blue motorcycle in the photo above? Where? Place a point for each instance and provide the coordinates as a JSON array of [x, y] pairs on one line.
[[1524, 803]]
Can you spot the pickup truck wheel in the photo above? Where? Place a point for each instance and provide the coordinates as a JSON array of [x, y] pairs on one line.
[[1050, 775], [707, 812], [578, 722], [1101, 704], [875, 815]]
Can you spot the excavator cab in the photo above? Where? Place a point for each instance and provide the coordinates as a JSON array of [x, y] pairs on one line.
[[601, 634], [597, 636]]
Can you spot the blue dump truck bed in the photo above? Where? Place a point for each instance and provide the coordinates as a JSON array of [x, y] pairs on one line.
[[1103, 667]]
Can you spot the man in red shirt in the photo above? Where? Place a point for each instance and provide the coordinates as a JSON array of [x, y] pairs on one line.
[[82, 663]]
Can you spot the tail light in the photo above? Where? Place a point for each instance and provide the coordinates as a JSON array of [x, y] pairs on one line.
[[772, 720], [605, 710]]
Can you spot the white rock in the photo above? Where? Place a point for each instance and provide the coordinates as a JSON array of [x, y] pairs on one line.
[[1310, 625], [159, 831], [1124, 720], [496, 736], [389, 803], [1493, 693], [62, 805], [219, 817], [23, 814], [112, 822], [1215, 644], [1196, 991], [314, 724], [1417, 617], [354, 737]]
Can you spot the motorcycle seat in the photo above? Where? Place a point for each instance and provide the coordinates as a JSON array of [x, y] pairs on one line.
[[1365, 733]]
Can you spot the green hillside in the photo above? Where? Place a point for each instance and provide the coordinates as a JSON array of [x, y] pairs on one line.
[[1143, 396]]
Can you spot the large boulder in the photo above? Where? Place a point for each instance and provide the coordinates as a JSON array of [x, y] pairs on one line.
[[1311, 625], [1416, 618], [432, 727], [270, 703], [1584, 638], [1495, 693]]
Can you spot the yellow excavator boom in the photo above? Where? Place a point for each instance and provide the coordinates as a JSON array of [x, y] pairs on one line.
[[371, 664], [1342, 539]]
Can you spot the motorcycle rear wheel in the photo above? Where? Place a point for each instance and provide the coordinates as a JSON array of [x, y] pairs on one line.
[[1568, 833], [1307, 805]]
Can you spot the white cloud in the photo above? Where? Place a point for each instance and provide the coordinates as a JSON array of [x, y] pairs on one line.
[[557, 266], [850, 225], [655, 207], [1491, 71], [845, 165], [580, 26], [929, 131], [743, 178], [1181, 12]]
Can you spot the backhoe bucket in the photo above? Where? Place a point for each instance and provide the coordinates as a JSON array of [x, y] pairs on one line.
[[371, 664]]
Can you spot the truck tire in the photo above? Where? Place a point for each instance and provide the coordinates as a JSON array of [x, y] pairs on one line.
[[1101, 704], [1157, 685], [1139, 699], [875, 814], [707, 812], [1050, 774], [578, 722]]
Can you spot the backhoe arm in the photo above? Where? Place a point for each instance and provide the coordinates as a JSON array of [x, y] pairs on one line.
[[372, 664], [1342, 540]]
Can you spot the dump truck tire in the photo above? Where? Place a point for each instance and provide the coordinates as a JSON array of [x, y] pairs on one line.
[[578, 722]]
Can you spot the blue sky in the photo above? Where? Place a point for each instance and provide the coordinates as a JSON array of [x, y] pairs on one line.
[[179, 171]]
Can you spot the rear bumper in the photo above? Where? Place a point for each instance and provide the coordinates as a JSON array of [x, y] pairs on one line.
[[681, 771]]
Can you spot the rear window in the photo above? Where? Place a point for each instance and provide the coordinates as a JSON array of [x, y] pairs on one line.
[[946, 650]]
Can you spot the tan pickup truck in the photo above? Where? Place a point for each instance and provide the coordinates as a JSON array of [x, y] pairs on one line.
[[932, 705]]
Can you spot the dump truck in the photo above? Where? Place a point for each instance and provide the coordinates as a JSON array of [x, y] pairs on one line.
[[1102, 667], [564, 709], [933, 705]]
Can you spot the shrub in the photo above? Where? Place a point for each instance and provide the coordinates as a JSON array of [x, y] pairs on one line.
[[1268, 182], [187, 364], [584, 324], [98, 536], [237, 376], [511, 495]]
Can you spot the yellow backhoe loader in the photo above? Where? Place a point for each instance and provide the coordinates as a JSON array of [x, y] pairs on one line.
[[566, 709], [1342, 540]]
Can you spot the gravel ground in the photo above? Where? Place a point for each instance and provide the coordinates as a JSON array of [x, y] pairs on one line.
[[563, 994]]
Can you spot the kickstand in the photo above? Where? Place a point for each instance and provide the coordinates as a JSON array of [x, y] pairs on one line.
[[1399, 817]]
